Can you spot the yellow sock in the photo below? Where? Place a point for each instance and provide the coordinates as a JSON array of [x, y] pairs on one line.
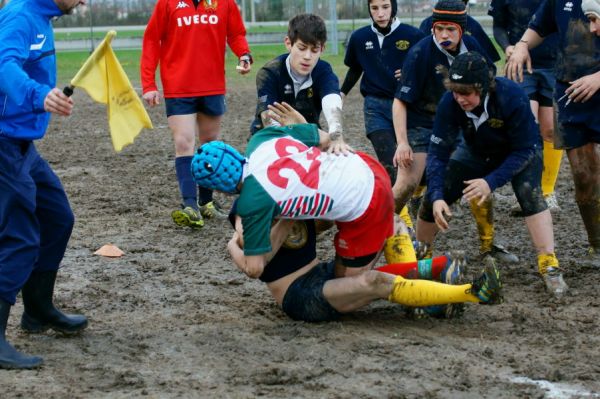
[[552, 160], [427, 293], [484, 216], [399, 249], [546, 261], [406, 217]]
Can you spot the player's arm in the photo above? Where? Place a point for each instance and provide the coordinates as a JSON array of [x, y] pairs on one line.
[[254, 265]]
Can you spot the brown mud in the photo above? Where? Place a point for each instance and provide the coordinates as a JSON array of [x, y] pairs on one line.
[[174, 318]]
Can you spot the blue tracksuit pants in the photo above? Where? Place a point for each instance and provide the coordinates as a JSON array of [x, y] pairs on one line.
[[35, 216]]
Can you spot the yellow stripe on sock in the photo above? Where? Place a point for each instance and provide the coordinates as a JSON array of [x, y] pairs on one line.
[[427, 293], [552, 159], [546, 261]]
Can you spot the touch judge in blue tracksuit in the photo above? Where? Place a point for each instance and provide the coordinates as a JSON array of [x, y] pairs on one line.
[[35, 216]]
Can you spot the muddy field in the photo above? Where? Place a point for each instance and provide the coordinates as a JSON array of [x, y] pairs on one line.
[[174, 318]]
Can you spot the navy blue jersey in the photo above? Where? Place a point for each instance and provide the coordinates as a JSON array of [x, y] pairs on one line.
[[379, 63], [578, 49], [422, 82], [274, 84], [508, 138], [514, 16], [473, 29]]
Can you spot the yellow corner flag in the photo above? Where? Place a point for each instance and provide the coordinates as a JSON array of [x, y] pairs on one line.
[[104, 79]]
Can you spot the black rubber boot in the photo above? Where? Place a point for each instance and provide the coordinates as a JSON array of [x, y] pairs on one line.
[[40, 313], [10, 358]]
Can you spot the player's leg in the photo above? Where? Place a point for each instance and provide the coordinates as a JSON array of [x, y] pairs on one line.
[[181, 116]]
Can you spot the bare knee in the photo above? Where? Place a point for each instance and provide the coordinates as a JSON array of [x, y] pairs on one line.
[[184, 143]]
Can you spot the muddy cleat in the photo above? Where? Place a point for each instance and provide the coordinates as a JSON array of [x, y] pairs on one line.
[[188, 217], [500, 254], [555, 284], [552, 202], [488, 287], [212, 210], [451, 274]]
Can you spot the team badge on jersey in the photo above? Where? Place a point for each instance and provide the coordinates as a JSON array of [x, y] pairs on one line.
[[309, 92], [402, 45], [210, 5], [495, 123]]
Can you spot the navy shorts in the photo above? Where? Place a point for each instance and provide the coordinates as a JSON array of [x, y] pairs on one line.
[[578, 123], [304, 298], [466, 165], [539, 86], [378, 114], [419, 138], [209, 105]]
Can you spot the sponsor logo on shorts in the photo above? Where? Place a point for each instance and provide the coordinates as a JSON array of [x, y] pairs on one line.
[[404, 89], [436, 139]]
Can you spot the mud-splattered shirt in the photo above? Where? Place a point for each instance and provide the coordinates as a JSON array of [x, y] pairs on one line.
[[274, 84], [288, 176], [514, 17], [474, 30], [508, 138], [379, 62], [422, 82], [578, 50]]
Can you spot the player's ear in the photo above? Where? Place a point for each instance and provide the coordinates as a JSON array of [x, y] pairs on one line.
[[288, 43]]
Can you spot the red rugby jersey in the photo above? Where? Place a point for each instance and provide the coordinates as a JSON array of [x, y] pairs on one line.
[[189, 44]]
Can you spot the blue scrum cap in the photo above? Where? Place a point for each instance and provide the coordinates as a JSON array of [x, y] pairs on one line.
[[218, 166]]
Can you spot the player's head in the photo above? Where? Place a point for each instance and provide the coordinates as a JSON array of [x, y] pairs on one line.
[[382, 13], [218, 166], [469, 79], [449, 21], [305, 41], [591, 9]]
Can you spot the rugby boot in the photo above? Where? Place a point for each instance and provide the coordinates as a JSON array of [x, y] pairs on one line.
[[10, 358], [212, 210], [488, 287], [188, 217], [500, 254], [550, 272], [40, 313]]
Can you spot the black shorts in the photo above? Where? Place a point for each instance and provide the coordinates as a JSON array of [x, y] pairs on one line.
[[304, 298]]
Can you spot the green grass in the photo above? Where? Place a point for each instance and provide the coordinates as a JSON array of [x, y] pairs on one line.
[[69, 62]]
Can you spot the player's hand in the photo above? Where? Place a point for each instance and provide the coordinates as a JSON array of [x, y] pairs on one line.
[[441, 214], [508, 51], [152, 98], [404, 156], [338, 146], [584, 88], [244, 65], [285, 114], [514, 65], [58, 103], [477, 188]]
